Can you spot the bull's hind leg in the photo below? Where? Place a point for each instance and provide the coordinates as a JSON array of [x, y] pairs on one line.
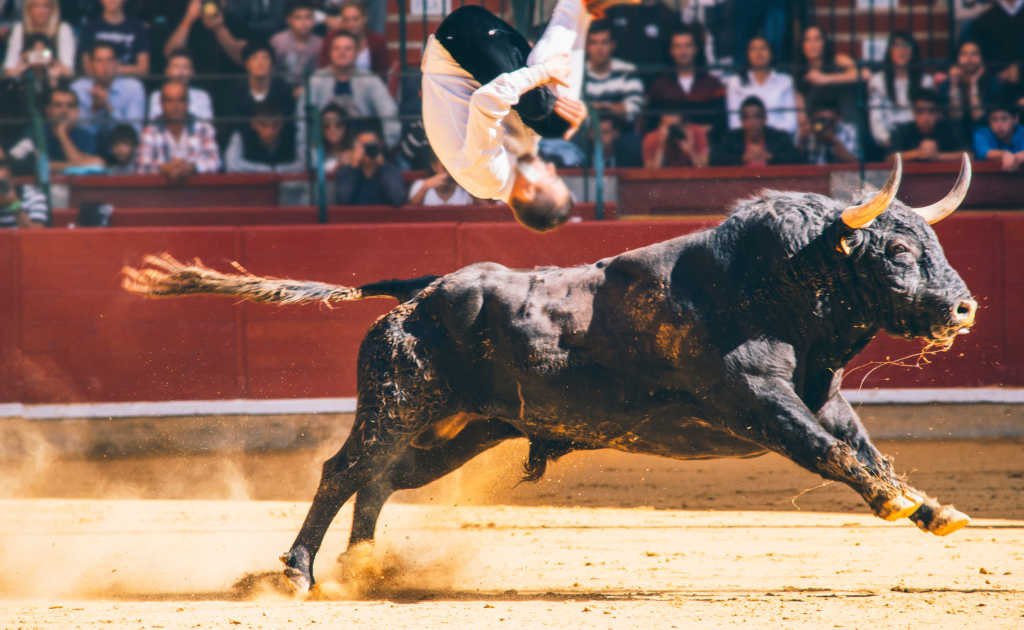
[[416, 467], [840, 420]]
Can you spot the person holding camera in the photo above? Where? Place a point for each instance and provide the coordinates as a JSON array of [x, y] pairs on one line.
[[675, 144], [440, 189], [830, 140], [370, 181], [41, 23], [20, 206]]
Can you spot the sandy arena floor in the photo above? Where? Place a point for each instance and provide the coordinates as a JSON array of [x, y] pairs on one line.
[[582, 549]]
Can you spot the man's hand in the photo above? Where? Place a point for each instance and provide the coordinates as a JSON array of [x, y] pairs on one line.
[[194, 11], [573, 111], [213, 22], [559, 68], [440, 179], [929, 150], [100, 99], [1010, 162]]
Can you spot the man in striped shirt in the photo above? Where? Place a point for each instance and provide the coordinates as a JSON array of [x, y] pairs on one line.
[[177, 145], [612, 85], [20, 206]]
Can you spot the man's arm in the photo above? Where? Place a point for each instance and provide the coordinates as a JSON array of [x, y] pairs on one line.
[[208, 159], [389, 184]]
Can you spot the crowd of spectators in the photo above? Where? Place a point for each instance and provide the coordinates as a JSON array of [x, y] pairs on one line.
[[183, 87]]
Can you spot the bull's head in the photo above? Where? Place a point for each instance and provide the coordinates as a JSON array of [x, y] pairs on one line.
[[897, 253]]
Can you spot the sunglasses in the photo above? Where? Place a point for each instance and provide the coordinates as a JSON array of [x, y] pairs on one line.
[[331, 124], [926, 110]]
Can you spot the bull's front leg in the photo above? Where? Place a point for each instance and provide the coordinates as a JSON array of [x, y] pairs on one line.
[[842, 422], [771, 414]]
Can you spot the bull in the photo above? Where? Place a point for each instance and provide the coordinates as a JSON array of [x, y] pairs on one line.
[[730, 342]]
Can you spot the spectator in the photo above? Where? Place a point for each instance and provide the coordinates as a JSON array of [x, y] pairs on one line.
[[215, 38], [40, 57], [259, 86], [773, 89], [675, 144], [621, 149], [106, 99], [969, 88], [68, 145], [360, 95], [889, 89], [756, 144], [928, 138], [337, 144], [830, 141], [126, 36], [691, 90], [41, 18], [1003, 138], [261, 19], [371, 48], [439, 189], [268, 144], [124, 144], [20, 206], [370, 181], [296, 48], [768, 17], [998, 30], [611, 85], [180, 69], [176, 145], [642, 32], [825, 75]]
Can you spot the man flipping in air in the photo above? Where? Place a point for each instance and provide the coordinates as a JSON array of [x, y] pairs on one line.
[[488, 100]]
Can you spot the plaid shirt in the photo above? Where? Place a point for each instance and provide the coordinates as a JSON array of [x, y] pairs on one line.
[[199, 140]]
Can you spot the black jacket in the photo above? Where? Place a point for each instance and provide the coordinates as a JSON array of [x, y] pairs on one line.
[[728, 151], [385, 188]]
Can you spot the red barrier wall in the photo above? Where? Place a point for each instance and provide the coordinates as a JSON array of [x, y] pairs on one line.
[[69, 333]]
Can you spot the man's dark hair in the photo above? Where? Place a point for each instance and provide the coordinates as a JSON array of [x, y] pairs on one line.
[[600, 26], [62, 89], [179, 52], [544, 213], [976, 45], [354, 39], [753, 101], [826, 105], [267, 110], [251, 48], [124, 133], [102, 44], [1005, 101], [927, 95], [298, 5]]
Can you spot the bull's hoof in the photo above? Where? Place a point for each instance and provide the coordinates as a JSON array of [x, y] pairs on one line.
[[297, 570], [940, 521], [899, 507]]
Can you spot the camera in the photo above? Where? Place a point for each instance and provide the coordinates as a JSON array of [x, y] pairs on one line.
[[372, 150], [211, 8], [821, 124], [676, 132], [40, 57]]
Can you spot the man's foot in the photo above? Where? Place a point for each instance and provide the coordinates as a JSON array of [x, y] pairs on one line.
[[596, 8]]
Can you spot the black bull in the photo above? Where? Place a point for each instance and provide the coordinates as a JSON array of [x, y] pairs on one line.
[[730, 342]]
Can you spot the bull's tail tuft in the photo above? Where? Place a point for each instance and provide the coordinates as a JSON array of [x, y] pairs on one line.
[[166, 277]]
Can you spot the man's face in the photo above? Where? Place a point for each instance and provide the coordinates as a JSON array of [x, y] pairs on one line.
[[926, 116], [179, 68], [1002, 124], [343, 52], [113, 5], [752, 119], [353, 20], [259, 64], [174, 101], [609, 134], [268, 129], [123, 152], [63, 107], [300, 21], [542, 175], [104, 65], [600, 47], [969, 58], [758, 53], [683, 50]]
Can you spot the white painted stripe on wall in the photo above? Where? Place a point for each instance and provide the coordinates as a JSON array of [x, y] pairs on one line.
[[975, 395]]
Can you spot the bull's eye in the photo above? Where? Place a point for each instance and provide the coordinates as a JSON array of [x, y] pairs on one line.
[[898, 249]]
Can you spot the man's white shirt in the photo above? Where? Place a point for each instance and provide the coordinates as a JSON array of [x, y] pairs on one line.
[[472, 128]]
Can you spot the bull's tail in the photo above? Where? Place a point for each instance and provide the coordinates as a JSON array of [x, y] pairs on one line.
[[166, 277]]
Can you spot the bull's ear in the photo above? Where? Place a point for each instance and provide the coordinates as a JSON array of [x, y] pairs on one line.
[[848, 239], [861, 216]]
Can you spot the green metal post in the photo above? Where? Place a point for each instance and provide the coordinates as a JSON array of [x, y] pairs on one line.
[[39, 139]]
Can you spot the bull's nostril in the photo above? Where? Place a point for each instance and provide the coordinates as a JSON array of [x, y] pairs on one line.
[[964, 310]]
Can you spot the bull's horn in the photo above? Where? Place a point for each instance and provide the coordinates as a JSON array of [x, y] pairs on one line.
[[860, 216], [939, 211]]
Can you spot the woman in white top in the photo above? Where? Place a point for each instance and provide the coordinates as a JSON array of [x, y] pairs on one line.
[[43, 17], [890, 91], [439, 189], [775, 89]]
